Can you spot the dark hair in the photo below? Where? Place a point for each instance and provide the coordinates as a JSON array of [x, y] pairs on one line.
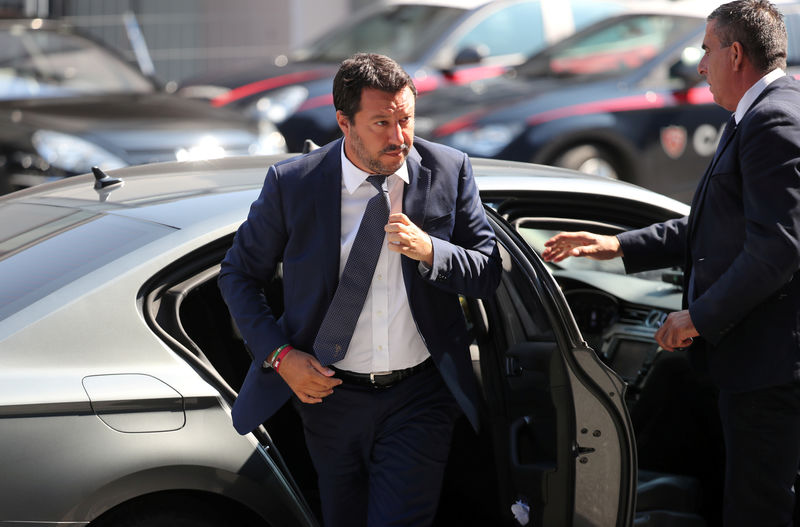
[[367, 70], [758, 26]]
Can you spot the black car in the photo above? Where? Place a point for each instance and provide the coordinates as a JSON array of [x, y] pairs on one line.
[[621, 98], [439, 42], [67, 103]]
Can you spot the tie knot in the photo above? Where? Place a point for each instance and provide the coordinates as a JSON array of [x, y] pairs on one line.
[[377, 180]]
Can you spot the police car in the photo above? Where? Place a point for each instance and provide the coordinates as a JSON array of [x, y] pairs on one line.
[[439, 42], [621, 98]]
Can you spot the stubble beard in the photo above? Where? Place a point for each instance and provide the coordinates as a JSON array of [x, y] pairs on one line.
[[375, 165]]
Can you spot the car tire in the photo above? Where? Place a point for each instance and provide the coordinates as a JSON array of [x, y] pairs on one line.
[[188, 512], [590, 160]]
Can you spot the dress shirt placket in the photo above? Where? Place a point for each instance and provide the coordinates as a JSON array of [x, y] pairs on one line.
[[379, 314]]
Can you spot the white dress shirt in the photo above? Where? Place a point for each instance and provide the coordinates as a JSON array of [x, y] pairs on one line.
[[755, 90], [386, 337]]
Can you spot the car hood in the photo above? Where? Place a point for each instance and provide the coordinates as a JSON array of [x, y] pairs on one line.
[[138, 128]]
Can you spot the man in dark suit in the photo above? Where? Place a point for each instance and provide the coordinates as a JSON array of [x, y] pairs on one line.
[[378, 412], [740, 248]]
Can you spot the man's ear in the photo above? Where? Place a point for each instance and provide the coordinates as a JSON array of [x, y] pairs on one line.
[[343, 121], [737, 56]]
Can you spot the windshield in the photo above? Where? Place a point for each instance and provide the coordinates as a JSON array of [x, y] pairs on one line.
[[403, 32], [39, 63], [612, 48]]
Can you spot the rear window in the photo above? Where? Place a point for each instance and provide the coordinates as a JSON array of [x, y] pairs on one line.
[[43, 248], [38, 64]]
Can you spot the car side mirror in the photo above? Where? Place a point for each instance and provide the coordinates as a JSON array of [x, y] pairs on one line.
[[469, 55]]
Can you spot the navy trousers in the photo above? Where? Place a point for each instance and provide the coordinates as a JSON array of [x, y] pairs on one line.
[[380, 454], [762, 453]]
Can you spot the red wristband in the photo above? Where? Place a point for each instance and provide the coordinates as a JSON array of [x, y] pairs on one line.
[[276, 362]]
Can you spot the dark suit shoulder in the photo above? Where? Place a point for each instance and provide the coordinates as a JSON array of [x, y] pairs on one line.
[[434, 155], [781, 97], [302, 164]]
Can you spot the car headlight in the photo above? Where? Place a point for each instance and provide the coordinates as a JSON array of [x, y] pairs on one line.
[[270, 140], [279, 104], [73, 154], [485, 141]]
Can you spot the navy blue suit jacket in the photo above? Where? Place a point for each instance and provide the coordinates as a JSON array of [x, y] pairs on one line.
[[297, 220], [741, 245]]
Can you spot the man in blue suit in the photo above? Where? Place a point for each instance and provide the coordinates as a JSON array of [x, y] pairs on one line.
[[740, 248], [378, 417]]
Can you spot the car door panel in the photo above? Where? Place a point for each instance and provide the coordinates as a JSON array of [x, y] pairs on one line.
[[562, 413]]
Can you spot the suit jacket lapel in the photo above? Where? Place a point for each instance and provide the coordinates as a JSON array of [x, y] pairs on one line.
[[327, 185], [415, 202], [415, 197], [699, 196]]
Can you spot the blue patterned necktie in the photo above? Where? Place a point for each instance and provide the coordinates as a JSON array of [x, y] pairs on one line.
[[340, 320]]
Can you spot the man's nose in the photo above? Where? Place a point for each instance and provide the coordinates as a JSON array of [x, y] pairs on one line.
[[397, 134], [701, 66]]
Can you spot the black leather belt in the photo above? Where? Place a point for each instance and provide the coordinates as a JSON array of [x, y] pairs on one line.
[[382, 379]]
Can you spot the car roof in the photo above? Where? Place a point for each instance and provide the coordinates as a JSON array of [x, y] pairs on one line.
[[184, 194]]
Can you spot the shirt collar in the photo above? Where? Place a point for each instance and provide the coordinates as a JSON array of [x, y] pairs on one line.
[[352, 176], [755, 90]]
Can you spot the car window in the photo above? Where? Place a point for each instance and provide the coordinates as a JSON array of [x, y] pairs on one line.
[[609, 49], [39, 63], [403, 32], [514, 29], [585, 13], [43, 248], [537, 236]]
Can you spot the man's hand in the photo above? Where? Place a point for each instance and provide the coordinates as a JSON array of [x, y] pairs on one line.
[[594, 246], [677, 331], [406, 238], [309, 380]]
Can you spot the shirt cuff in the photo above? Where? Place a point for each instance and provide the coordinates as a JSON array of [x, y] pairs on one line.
[[424, 269]]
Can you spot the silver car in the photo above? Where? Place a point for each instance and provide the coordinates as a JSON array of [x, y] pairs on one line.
[[119, 364]]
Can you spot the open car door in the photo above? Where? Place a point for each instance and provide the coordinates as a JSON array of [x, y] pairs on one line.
[[563, 440]]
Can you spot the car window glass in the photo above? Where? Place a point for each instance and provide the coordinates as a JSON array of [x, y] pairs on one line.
[[584, 13], [50, 64], [536, 238], [44, 248], [514, 29], [404, 32], [613, 48]]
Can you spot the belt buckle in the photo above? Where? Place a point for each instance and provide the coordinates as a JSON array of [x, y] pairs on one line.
[[374, 373]]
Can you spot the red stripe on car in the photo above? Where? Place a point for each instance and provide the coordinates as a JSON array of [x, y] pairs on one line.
[[265, 85]]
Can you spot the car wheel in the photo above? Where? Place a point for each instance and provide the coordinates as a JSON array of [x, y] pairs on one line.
[[589, 159], [189, 511]]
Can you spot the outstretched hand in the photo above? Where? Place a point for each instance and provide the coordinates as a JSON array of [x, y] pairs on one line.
[[309, 380], [594, 246]]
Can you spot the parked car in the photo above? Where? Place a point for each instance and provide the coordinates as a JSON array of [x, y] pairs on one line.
[[120, 363], [68, 103], [438, 42], [621, 98]]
